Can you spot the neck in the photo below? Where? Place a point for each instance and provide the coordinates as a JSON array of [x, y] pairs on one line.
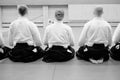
[[23, 16], [98, 16], [59, 21]]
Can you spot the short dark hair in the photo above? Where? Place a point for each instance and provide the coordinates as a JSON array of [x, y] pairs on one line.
[[22, 10], [59, 14], [98, 11]]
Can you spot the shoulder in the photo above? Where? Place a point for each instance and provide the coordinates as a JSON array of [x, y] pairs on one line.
[[14, 22], [31, 23], [106, 24], [49, 27], [119, 25], [88, 22], [67, 27]]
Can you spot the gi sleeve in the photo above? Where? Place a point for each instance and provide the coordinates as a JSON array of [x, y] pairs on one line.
[[109, 35], [1, 40], [116, 35], [10, 34], [36, 35], [71, 37], [45, 39], [83, 35]]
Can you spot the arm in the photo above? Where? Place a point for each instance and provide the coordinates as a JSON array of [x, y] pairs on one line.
[[36, 35], [10, 35], [1, 40], [83, 35], [71, 37], [45, 39], [116, 35], [109, 36]]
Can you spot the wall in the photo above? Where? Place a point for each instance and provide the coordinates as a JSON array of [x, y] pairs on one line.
[[81, 13], [57, 2], [37, 13], [43, 10]]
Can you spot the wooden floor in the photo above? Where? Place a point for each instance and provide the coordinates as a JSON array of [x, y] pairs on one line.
[[71, 70]]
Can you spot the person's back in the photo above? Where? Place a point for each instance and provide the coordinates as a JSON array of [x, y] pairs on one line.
[[25, 39], [95, 39], [115, 49], [98, 32], [59, 34], [22, 30], [59, 38]]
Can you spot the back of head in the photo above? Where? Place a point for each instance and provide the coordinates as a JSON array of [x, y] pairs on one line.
[[98, 11], [22, 10], [59, 15]]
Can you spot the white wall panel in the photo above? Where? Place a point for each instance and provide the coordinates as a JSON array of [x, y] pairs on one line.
[[36, 13], [57, 2], [85, 12], [9, 13]]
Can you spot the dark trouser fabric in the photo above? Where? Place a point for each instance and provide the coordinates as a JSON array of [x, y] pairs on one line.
[[97, 51], [115, 52], [4, 55], [58, 54], [22, 52]]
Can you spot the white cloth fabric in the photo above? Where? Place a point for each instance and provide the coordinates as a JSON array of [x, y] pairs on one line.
[[1, 39], [58, 34], [24, 31], [116, 35], [96, 30]]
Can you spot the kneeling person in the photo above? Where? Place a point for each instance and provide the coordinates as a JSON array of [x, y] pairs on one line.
[[4, 50], [24, 36], [95, 39], [115, 50], [59, 39]]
